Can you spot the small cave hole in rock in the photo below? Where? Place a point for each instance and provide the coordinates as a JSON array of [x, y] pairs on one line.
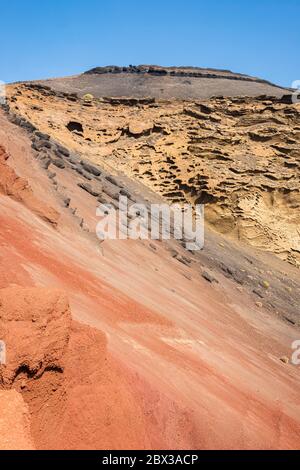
[[74, 126], [205, 198]]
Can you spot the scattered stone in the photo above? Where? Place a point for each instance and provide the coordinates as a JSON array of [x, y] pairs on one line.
[[83, 173], [58, 163], [152, 246], [74, 160], [124, 192], [184, 260], [208, 277], [111, 191], [285, 360], [258, 293], [60, 150], [90, 169], [26, 125], [44, 144], [88, 98], [87, 187], [51, 174], [111, 180], [265, 284], [67, 202], [289, 320], [238, 276], [45, 162], [102, 199], [173, 253], [41, 135]]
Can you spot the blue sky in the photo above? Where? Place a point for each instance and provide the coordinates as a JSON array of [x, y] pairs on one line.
[[46, 38]]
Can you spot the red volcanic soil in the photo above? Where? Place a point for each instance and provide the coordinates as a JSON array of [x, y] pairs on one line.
[[120, 346], [14, 422], [18, 188]]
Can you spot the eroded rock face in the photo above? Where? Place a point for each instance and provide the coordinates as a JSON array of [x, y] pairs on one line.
[[35, 328], [137, 129], [166, 377], [18, 188], [34, 324], [238, 156], [60, 388]]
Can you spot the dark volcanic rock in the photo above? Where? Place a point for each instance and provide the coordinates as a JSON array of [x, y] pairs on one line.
[[115, 84], [88, 188], [58, 163], [62, 151], [90, 168], [208, 277]]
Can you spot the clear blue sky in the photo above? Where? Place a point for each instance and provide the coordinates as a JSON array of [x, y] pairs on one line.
[[50, 38]]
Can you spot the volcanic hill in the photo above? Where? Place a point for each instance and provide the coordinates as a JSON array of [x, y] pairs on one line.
[[143, 344]]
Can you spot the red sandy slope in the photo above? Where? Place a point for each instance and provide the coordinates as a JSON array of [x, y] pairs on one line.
[[152, 358]]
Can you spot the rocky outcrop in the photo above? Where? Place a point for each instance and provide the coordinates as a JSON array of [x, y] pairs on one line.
[[159, 71], [61, 389], [135, 84], [239, 156], [137, 129], [35, 327], [183, 335], [18, 188], [34, 324]]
